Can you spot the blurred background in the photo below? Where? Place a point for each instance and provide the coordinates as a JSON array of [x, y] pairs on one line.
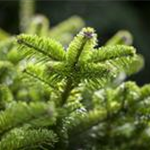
[[105, 16]]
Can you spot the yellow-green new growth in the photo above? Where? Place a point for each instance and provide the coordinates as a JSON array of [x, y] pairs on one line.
[[80, 99], [81, 62]]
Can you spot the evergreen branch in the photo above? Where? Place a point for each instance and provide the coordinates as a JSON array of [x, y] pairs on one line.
[[78, 51], [21, 113], [35, 77], [5, 65], [5, 96], [94, 71], [136, 64], [66, 92], [80, 46], [49, 75], [7, 72], [23, 139], [119, 58], [129, 65], [26, 13], [44, 121], [5, 47], [145, 91], [104, 111], [112, 52], [122, 37], [59, 68], [73, 24], [39, 25], [124, 98], [81, 122], [96, 84], [95, 76], [73, 105], [64, 31], [45, 46]]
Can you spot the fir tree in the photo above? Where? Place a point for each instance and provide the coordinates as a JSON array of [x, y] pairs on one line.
[[56, 95], [86, 99]]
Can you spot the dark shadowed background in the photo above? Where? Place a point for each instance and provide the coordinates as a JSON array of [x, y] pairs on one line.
[[105, 16]]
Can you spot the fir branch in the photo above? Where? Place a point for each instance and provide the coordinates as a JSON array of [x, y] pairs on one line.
[[122, 107], [23, 139], [5, 46], [73, 105], [119, 58], [80, 46], [50, 74], [81, 122], [112, 52], [145, 91], [6, 96], [72, 24], [39, 25], [82, 43], [122, 37], [128, 65], [94, 71], [66, 92], [20, 113], [75, 71], [7, 72], [61, 69], [45, 46], [36, 73], [64, 31], [35, 77], [27, 9]]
